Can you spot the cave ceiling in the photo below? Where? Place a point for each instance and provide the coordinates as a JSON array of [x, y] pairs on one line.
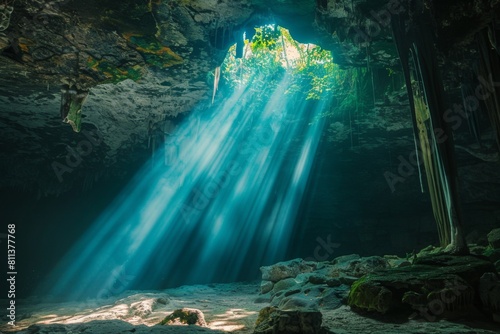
[[132, 64]]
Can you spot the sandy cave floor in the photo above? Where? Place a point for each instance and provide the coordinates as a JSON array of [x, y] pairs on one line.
[[227, 308]]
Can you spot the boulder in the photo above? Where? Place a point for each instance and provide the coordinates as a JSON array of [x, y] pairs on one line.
[[333, 282], [274, 321], [298, 303], [266, 286], [144, 308], [318, 279], [185, 316], [288, 269], [492, 254], [331, 299], [494, 238], [285, 284]]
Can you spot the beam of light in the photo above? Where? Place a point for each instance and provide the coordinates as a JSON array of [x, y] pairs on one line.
[[228, 201]]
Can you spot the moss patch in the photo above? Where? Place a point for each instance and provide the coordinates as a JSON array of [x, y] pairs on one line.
[[114, 74], [370, 296], [264, 314], [155, 54]]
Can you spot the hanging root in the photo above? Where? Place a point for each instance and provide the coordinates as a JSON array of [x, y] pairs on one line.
[[216, 83]]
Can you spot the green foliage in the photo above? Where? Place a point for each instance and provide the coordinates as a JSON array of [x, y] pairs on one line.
[[266, 37], [273, 52]]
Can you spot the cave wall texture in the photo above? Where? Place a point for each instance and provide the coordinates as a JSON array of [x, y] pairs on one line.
[[139, 63]]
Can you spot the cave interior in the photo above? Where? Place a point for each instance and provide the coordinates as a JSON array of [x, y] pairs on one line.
[[249, 166]]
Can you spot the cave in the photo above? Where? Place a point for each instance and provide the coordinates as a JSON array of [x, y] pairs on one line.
[[248, 166]]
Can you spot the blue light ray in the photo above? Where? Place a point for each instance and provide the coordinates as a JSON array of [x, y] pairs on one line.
[[229, 200]]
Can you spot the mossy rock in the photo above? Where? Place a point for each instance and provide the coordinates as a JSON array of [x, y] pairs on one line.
[[285, 284], [492, 254], [369, 295], [185, 316], [264, 314], [451, 281], [272, 320], [494, 238]]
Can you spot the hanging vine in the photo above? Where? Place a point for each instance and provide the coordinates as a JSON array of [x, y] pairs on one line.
[[434, 134]]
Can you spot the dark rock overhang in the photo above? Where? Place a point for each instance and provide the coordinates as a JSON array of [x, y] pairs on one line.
[[141, 62]]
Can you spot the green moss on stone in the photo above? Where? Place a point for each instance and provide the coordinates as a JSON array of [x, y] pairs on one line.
[[370, 296], [113, 73], [439, 279], [154, 53], [264, 314], [182, 316]]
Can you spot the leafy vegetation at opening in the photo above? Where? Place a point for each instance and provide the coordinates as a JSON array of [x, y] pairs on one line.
[[272, 53]]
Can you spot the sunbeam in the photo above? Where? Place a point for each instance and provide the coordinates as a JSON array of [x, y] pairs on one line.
[[234, 186]]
